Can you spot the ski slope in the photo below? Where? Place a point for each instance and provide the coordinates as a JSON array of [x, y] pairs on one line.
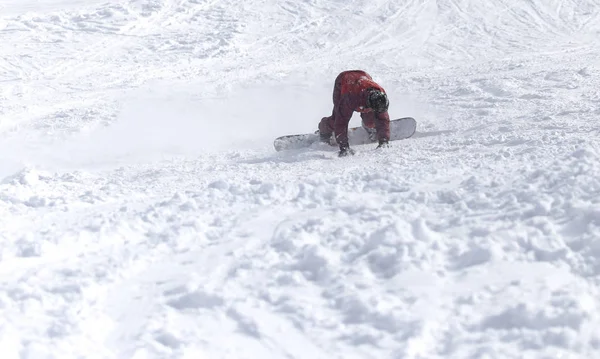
[[144, 213]]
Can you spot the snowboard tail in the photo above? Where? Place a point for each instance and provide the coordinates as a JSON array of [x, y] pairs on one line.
[[400, 129]]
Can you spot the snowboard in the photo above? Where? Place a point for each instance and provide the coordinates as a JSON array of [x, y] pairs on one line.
[[400, 129]]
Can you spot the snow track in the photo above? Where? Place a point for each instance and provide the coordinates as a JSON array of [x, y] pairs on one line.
[[144, 213]]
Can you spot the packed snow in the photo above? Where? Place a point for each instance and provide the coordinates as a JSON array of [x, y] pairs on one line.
[[144, 213]]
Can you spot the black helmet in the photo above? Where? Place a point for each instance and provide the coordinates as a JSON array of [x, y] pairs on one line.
[[378, 101]]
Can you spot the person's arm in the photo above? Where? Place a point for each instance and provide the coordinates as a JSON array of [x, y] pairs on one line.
[[382, 125]]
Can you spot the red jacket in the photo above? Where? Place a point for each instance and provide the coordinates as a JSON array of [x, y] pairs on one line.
[[350, 95]]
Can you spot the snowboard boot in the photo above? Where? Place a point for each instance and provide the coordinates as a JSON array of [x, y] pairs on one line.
[[371, 131], [325, 138]]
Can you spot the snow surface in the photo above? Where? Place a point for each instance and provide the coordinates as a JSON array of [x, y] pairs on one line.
[[144, 213]]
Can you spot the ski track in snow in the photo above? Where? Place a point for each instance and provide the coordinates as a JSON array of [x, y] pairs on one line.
[[144, 213]]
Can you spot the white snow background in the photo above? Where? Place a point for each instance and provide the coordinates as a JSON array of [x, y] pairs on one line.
[[145, 214]]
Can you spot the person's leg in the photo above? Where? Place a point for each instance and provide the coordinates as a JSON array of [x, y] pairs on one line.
[[326, 128], [326, 124]]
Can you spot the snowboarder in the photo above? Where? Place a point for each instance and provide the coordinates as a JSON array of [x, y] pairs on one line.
[[355, 90]]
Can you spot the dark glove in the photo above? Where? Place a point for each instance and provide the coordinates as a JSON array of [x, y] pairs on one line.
[[345, 151], [383, 144]]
